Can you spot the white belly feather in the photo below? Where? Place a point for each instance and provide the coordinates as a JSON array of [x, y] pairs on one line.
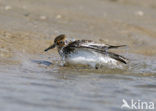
[[88, 57]]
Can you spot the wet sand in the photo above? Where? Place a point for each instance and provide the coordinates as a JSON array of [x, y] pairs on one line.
[[27, 27]]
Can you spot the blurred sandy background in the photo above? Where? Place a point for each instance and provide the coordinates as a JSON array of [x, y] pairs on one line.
[[29, 26]]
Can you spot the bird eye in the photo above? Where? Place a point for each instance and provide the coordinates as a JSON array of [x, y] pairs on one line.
[[61, 42]]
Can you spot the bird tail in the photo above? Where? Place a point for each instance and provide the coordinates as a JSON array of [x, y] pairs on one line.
[[118, 57], [112, 46]]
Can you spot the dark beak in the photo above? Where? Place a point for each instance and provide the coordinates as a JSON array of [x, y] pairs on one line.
[[50, 47]]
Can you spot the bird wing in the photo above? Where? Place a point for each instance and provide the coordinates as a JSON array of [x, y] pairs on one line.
[[91, 45]]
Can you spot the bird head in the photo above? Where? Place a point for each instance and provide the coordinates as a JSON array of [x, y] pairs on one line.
[[59, 42]]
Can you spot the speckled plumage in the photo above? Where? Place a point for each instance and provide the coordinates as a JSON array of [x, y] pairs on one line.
[[86, 50]]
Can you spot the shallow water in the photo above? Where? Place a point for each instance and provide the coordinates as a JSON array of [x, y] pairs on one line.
[[31, 79], [31, 86]]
